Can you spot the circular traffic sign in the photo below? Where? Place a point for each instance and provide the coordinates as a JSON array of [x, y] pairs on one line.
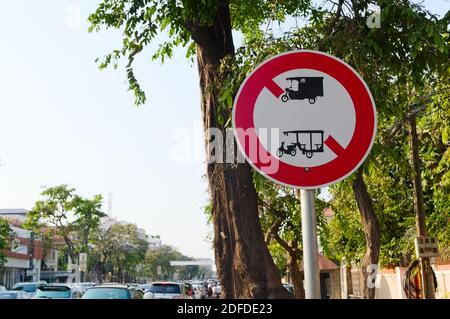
[[304, 119]]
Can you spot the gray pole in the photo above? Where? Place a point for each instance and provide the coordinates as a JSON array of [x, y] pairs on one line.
[[310, 252]]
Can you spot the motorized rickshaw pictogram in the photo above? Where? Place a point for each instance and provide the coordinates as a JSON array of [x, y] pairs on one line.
[[313, 144], [306, 87]]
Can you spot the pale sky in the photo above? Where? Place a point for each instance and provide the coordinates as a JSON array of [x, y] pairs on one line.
[[64, 121]]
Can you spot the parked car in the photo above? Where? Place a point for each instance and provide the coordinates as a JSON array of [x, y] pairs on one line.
[[85, 284], [145, 287], [2, 288], [113, 291], [170, 290], [28, 287], [59, 291], [14, 294]]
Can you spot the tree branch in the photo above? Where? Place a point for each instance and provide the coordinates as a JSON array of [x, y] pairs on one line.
[[415, 108], [273, 229], [293, 251]]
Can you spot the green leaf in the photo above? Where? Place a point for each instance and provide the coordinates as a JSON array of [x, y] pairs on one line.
[[445, 135]]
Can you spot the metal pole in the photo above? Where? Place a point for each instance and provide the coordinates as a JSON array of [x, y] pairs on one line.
[[310, 252], [31, 255]]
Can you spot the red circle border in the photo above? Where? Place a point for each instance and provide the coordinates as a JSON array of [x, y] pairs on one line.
[[365, 127]]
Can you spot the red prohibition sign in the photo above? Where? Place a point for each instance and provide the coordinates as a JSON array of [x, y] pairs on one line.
[[347, 159]]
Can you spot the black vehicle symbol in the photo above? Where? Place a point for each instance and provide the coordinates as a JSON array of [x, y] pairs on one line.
[[312, 142], [290, 149], [305, 88]]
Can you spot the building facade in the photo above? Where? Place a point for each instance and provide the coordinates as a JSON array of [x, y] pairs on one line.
[[23, 261]]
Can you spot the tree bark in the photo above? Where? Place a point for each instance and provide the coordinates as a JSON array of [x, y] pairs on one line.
[[244, 264], [70, 249], [427, 281], [292, 260], [296, 276], [371, 232]]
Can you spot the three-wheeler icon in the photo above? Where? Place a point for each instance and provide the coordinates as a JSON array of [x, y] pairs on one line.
[[307, 142], [304, 88]]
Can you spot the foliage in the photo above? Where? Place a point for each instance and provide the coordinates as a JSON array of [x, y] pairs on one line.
[[434, 129], [157, 265], [279, 256], [63, 213], [6, 238], [88, 216], [403, 62], [118, 248], [141, 22], [121, 253], [280, 217]]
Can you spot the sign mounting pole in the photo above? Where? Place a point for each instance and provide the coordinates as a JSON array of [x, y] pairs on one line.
[[310, 252]]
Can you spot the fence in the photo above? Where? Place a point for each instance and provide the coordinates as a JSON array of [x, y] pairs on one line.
[[389, 282]]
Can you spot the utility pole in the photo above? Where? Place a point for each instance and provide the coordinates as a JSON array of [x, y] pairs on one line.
[[31, 253], [419, 208]]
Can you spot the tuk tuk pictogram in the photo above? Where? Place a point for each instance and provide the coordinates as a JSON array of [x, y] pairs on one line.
[[305, 88], [313, 144]]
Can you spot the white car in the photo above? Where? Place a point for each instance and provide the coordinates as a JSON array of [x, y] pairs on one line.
[[145, 287], [14, 294], [28, 287], [58, 291], [169, 290], [2, 288]]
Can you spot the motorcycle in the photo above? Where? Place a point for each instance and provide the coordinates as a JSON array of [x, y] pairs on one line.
[[290, 149]]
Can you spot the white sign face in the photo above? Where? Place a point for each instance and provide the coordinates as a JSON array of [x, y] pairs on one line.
[[333, 114]]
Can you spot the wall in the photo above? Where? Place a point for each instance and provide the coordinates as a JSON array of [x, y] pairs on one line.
[[335, 278], [389, 283], [443, 279]]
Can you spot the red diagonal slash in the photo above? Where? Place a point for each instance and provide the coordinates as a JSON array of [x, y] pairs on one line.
[[334, 146], [274, 88]]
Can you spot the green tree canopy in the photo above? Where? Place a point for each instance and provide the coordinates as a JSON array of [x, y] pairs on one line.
[[6, 238], [404, 62], [157, 265], [142, 21], [119, 248], [64, 213]]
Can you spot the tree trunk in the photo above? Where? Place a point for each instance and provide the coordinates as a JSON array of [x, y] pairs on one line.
[[296, 274], [428, 289], [244, 264], [371, 232], [70, 249]]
